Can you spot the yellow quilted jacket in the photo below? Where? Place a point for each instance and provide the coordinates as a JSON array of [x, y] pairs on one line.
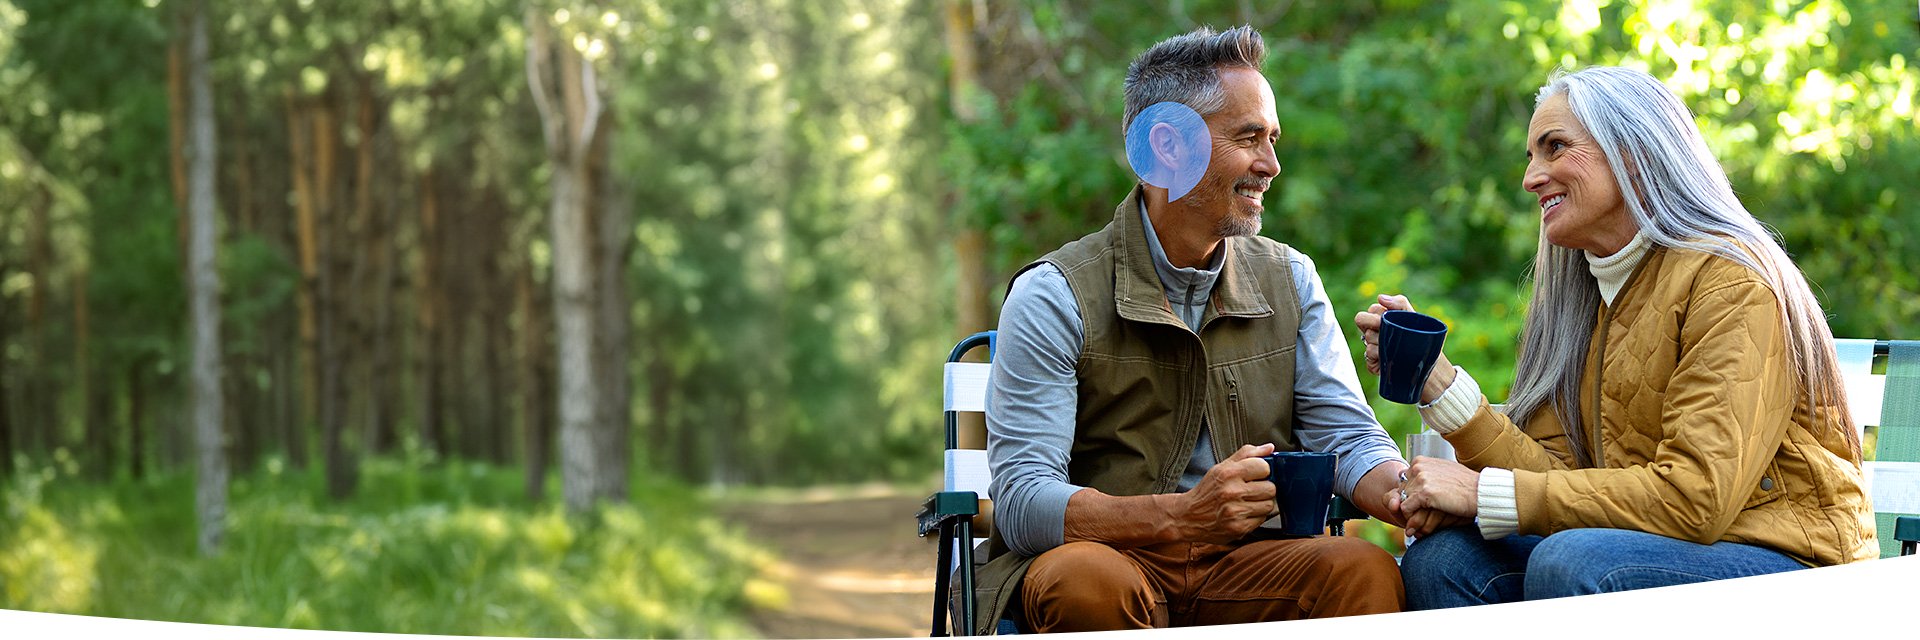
[[1688, 400]]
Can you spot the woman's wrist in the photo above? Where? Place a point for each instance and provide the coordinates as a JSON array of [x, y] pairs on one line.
[[1437, 381]]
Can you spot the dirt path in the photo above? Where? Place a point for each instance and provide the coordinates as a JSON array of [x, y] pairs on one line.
[[849, 560]]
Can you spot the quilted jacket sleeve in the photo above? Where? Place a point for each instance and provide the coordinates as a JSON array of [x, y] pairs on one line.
[[1724, 413], [1491, 439]]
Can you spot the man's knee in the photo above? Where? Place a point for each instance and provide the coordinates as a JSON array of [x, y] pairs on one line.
[[1354, 556], [1086, 582], [1361, 578]]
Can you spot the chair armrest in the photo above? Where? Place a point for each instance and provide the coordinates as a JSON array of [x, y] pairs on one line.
[[944, 506]]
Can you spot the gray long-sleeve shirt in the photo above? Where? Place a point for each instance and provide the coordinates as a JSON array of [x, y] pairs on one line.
[[1031, 397]]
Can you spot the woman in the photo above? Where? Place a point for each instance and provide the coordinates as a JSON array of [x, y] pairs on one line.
[[1677, 414]]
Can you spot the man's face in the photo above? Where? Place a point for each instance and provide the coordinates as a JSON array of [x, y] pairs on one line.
[[1243, 165]]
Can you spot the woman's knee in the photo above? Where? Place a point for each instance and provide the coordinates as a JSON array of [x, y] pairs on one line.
[[1433, 556], [1575, 562]]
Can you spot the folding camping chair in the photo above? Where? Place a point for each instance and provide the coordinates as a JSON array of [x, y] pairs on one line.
[[951, 512]]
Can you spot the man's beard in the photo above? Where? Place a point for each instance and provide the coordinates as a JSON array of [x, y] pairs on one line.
[[1236, 224], [1237, 221]]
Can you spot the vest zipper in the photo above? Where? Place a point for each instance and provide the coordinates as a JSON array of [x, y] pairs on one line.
[[1236, 430]]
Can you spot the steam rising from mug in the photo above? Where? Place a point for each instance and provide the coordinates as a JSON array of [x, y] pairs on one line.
[[1168, 147]]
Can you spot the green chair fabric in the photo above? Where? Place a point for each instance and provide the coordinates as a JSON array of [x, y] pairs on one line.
[[1899, 432]]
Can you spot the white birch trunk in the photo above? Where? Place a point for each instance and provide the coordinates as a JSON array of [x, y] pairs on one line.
[[210, 447]]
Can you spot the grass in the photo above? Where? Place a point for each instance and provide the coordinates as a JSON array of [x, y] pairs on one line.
[[425, 547]]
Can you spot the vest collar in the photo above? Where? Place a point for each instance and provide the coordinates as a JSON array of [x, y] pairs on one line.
[[1138, 292]]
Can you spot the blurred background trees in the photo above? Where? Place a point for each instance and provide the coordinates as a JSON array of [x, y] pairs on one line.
[[726, 243]]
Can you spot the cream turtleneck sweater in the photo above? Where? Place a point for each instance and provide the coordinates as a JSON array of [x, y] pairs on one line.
[[1612, 271]]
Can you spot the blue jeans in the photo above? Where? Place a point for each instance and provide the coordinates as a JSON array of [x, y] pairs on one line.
[[1456, 568]]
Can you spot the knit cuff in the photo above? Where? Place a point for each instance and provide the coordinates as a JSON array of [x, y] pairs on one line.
[[1499, 509], [1455, 406]]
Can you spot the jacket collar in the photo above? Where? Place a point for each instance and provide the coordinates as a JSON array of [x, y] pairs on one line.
[[1139, 295]]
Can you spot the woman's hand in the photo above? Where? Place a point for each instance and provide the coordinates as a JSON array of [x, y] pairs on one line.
[[1425, 521], [1440, 485], [1368, 322]]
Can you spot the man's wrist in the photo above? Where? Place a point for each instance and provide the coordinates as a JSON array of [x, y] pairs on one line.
[[1172, 526]]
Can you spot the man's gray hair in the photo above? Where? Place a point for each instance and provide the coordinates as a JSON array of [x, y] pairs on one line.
[[1185, 69], [1679, 197]]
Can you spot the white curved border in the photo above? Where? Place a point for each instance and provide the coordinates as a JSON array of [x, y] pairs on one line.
[[1829, 602]]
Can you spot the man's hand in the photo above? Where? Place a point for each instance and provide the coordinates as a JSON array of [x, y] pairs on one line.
[[1233, 499], [1374, 489]]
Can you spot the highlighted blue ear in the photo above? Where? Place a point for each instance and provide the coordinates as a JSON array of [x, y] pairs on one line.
[[1167, 145]]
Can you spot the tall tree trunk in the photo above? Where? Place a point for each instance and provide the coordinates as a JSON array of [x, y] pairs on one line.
[[306, 234], [137, 417], [975, 311], [974, 307], [7, 431], [534, 407], [367, 243], [341, 470], [209, 443], [93, 400], [429, 304], [613, 342], [571, 115], [177, 133], [286, 391], [38, 417]]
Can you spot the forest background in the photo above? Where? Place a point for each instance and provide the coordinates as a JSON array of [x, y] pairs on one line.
[[453, 316]]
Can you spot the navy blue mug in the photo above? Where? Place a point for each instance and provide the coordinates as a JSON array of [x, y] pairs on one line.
[[1409, 346], [1303, 490]]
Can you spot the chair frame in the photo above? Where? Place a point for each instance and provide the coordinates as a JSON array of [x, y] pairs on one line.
[[951, 514]]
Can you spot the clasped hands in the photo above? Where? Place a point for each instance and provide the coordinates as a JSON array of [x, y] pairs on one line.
[[1435, 494], [1233, 499]]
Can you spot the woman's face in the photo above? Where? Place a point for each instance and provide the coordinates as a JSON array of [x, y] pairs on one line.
[[1580, 203]]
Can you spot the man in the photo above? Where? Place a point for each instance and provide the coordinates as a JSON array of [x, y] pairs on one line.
[[1142, 371]]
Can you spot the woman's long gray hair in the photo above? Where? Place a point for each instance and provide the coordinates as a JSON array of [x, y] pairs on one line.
[[1679, 197]]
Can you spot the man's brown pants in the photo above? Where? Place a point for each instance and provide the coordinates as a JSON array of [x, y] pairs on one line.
[[1088, 586]]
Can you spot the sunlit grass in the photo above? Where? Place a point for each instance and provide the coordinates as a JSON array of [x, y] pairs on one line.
[[447, 548]]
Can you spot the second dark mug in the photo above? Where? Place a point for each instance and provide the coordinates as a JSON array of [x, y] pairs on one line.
[[1409, 346], [1303, 490]]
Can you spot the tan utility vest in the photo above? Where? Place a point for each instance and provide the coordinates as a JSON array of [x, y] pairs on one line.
[[1148, 384]]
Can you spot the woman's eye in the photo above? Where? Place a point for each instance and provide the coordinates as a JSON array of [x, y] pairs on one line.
[[1556, 146]]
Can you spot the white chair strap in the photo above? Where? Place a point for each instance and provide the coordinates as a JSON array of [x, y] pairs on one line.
[[1894, 486], [966, 387], [967, 471]]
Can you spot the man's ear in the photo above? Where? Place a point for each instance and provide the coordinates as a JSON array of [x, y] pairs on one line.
[[1165, 143]]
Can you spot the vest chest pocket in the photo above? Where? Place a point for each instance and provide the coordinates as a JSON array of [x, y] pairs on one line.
[[1253, 400]]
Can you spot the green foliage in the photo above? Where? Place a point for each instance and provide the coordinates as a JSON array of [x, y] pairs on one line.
[[429, 548], [785, 262]]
